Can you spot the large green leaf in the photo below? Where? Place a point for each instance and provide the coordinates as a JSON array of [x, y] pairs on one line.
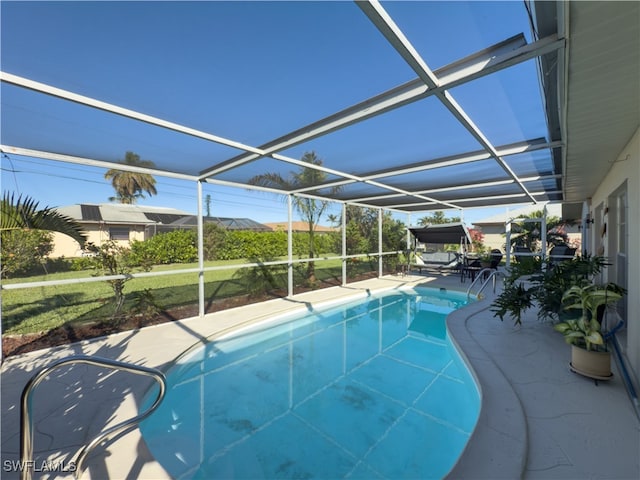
[[23, 213]]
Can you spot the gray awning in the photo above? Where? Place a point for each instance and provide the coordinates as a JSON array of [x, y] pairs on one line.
[[442, 234]]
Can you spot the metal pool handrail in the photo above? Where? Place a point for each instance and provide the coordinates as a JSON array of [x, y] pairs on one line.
[[26, 427], [494, 274]]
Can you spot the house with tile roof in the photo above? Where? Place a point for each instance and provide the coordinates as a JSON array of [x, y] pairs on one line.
[[127, 223], [494, 227], [300, 227]]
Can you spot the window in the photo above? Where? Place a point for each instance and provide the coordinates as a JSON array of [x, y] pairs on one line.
[[119, 233]]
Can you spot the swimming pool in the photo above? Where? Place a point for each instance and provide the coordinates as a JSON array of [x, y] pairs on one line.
[[367, 389]]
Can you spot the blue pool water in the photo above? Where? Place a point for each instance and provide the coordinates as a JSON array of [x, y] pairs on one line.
[[372, 389]]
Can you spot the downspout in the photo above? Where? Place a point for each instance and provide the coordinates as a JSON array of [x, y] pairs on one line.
[[507, 245], [585, 238], [543, 235]]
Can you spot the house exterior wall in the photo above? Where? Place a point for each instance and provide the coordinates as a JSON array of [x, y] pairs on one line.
[[65, 246], [494, 236], [623, 176]]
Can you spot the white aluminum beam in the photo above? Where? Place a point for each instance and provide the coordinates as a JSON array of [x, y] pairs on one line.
[[394, 35], [462, 187], [125, 112], [502, 55], [58, 157], [511, 149]]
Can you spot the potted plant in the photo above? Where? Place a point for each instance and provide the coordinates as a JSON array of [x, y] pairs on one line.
[[589, 353], [542, 287]]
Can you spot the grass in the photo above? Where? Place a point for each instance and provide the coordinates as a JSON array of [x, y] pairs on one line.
[[40, 309]]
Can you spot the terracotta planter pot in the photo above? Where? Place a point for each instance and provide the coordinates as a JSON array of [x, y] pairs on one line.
[[591, 363]]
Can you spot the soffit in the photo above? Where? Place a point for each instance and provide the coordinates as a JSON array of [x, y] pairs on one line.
[[603, 100]]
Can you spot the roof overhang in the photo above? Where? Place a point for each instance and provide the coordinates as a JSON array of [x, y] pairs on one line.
[[591, 88]]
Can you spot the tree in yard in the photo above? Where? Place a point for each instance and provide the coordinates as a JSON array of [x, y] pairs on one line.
[[527, 234], [114, 259], [437, 218], [129, 186], [310, 209]]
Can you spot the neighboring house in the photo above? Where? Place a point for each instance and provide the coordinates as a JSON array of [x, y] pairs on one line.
[[493, 228], [126, 223], [300, 227], [227, 223]]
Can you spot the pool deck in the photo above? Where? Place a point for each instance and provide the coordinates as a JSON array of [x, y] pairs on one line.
[[537, 420]]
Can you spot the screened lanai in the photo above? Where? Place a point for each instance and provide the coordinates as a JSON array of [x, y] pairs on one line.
[[413, 106]]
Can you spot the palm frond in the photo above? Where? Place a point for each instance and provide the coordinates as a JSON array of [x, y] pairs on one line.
[[23, 213]]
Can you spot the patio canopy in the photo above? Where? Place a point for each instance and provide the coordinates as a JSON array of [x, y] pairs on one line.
[[448, 233], [412, 106]]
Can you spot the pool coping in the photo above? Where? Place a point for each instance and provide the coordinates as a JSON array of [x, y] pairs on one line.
[[498, 443]]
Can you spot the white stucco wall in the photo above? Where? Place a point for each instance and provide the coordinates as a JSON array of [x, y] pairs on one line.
[[65, 246], [626, 169]]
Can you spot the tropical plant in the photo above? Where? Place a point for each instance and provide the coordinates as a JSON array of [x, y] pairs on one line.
[[586, 330], [552, 283], [130, 185], [514, 300], [310, 209], [545, 288], [526, 234], [22, 213]]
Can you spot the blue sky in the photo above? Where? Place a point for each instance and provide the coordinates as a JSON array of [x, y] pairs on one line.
[[253, 84]]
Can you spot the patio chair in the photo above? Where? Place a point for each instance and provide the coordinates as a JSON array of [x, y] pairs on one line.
[[496, 258], [560, 253], [521, 253], [418, 263]]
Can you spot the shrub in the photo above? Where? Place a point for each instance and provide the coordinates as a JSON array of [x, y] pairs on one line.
[[246, 244], [82, 263], [213, 241], [178, 246], [24, 251]]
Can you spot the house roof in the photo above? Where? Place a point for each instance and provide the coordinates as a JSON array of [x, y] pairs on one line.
[[299, 227], [121, 213], [225, 222], [553, 209], [147, 215]]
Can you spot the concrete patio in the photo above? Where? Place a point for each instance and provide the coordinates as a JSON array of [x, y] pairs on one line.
[[538, 419]]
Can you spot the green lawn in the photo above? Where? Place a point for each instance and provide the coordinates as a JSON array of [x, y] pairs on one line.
[[40, 309]]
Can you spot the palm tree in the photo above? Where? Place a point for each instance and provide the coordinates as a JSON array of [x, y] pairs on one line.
[[129, 186], [23, 213], [310, 209], [528, 233]]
